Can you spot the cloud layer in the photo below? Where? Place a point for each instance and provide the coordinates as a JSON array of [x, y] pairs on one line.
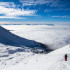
[[52, 3], [61, 16], [8, 10], [45, 9]]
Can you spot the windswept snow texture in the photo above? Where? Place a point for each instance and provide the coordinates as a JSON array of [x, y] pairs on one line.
[[56, 36], [52, 61]]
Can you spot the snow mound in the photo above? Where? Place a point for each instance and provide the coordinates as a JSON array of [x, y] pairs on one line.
[[52, 61]]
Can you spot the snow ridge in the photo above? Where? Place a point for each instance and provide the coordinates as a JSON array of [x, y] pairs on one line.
[[7, 38]]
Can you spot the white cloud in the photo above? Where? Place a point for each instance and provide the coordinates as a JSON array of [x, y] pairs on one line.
[[35, 2], [61, 16], [10, 11], [11, 17], [7, 4], [51, 3], [41, 23], [53, 10]]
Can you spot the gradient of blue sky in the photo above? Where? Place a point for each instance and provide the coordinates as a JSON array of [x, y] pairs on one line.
[[35, 10]]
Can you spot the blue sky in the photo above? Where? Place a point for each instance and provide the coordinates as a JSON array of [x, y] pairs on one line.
[[34, 10]]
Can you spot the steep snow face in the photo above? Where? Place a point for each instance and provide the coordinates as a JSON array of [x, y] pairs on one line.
[[52, 61], [54, 36], [8, 38]]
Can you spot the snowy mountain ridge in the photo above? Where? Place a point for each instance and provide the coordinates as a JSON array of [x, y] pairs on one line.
[[8, 38], [52, 61]]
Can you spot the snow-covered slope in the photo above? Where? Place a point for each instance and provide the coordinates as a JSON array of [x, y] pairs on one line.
[[8, 38], [51, 61]]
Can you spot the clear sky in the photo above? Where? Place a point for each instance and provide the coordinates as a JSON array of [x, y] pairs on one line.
[[34, 10]]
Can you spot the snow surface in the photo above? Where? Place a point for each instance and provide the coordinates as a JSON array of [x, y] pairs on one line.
[[11, 55], [51, 61]]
